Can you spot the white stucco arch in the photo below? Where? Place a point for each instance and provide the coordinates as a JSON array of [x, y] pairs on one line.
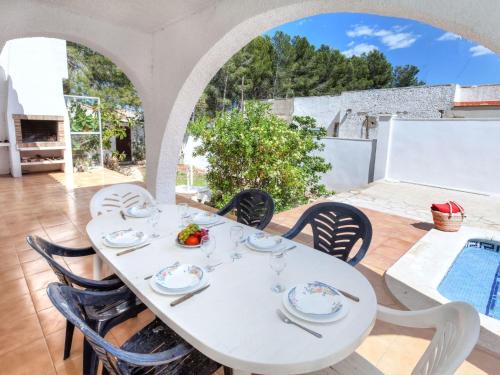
[[249, 19]]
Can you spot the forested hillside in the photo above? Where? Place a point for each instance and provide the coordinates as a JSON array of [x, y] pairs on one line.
[[283, 66]]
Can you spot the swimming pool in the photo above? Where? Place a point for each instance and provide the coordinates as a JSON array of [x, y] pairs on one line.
[[474, 277]]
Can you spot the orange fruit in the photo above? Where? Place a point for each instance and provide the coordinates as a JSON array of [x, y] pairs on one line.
[[192, 240]]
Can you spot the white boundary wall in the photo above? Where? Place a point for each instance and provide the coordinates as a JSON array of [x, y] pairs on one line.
[[462, 154], [352, 162]]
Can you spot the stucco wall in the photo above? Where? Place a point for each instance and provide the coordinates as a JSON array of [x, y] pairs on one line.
[[351, 107], [454, 153], [352, 163], [34, 69]]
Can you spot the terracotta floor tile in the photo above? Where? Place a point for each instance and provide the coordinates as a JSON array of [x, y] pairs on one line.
[[63, 232], [53, 219], [55, 342], [13, 289], [15, 333], [16, 308], [8, 260], [28, 255], [32, 358], [11, 273], [40, 299], [71, 366], [40, 280], [51, 320], [35, 266]]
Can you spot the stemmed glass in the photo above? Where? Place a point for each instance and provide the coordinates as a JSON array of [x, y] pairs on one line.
[[236, 236], [154, 219], [277, 261], [183, 212], [208, 247]]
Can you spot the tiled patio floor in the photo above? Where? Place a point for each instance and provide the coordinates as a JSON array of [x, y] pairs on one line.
[[32, 332]]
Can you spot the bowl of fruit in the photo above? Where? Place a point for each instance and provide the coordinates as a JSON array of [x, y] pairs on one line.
[[191, 236]]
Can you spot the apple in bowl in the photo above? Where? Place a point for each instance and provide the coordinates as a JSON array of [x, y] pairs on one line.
[[191, 235]]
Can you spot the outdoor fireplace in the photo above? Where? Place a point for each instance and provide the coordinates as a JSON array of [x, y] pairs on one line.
[[38, 131], [34, 131], [40, 141]]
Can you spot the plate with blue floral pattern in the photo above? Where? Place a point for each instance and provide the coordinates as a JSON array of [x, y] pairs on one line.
[[315, 302]]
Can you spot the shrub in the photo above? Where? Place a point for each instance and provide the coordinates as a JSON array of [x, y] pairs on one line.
[[257, 149]]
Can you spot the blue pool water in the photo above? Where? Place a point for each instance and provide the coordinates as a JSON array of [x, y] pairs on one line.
[[474, 277]]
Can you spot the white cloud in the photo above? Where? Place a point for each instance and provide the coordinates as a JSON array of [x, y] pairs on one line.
[[359, 49], [480, 51], [360, 30], [393, 38], [448, 36]]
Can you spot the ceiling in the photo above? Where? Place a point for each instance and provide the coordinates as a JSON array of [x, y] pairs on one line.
[[143, 15]]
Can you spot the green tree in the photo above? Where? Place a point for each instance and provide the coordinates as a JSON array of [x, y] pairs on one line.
[[92, 74], [281, 67], [256, 149], [406, 75], [380, 70]]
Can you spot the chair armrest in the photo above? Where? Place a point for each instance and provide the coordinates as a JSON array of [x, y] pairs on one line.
[[98, 285], [154, 359], [360, 254], [414, 319], [100, 298], [226, 209]]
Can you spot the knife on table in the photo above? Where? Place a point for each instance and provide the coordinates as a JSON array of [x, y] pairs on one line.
[[188, 296]]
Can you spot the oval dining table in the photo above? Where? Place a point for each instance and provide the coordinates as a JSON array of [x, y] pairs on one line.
[[234, 321]]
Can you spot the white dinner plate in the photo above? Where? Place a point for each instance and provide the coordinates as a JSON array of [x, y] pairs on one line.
[[268, 244], [204, 218], [158, 289], [315, 298], [314, 318], [139, 211], [182, 277], [124, 238]]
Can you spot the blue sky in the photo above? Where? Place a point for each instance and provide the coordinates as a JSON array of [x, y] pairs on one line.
[[442, 57]]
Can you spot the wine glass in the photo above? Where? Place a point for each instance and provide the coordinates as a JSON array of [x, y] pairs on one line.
[[154, 219], [183, 213], [277, 261], [208, 247], [236, 236]]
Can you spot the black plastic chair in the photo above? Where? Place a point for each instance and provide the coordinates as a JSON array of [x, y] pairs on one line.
[[253, 207], [154, 350], [336, 228], [101, 317]]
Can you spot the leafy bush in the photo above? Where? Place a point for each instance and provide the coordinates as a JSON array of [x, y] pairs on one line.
[[257, 149]]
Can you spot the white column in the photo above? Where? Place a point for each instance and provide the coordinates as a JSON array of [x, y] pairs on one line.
[[382, 157]]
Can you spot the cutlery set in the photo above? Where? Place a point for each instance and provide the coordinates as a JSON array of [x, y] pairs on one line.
[[189, 295]]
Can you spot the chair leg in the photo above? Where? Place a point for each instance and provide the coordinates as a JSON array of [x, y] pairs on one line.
[[228, 370], [70, 328], [90, 362]]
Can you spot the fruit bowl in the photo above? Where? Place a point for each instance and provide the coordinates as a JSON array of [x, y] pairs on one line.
[[191, 236]]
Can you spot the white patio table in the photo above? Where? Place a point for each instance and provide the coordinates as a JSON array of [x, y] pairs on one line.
[[234, 321]]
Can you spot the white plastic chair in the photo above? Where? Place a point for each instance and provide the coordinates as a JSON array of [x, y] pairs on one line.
[[457, 331], [118, 197]]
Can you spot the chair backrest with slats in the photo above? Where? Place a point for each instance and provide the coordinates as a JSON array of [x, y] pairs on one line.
[[253, 207], [336, 227], [457, 328], [117, 198], [71, 302]]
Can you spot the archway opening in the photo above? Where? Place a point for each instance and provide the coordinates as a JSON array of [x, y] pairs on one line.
[[88, 105], [348, 72]]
